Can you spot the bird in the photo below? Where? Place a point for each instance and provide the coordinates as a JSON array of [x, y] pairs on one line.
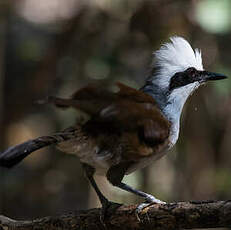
[[130, 128]]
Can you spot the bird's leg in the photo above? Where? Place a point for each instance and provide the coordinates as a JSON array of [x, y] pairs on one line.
[[149, 198], [89, 171], [115, 175]]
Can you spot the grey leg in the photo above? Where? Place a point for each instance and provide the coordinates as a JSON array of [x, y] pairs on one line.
[[115, 175], [149, 198]]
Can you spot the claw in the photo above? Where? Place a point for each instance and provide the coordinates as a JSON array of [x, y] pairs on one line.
[[107, 207], [150, 201]]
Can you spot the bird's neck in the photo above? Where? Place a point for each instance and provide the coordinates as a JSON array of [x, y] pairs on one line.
[[171, 106]]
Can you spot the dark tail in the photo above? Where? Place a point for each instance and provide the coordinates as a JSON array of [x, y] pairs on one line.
[[15, 154]]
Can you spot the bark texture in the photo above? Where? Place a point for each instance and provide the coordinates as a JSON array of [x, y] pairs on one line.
[[182, 215]]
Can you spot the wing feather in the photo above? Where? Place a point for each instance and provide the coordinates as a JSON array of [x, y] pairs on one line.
[[128, 110]]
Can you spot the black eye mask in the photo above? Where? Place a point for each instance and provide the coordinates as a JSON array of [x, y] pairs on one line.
[[184, 78]]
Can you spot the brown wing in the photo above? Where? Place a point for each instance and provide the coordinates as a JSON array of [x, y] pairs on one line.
[[129, 116], [128, 110], [131, 110], [90, 99], [134, 94]]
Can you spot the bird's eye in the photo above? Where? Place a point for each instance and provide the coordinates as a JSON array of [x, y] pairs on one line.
[[191, 71]]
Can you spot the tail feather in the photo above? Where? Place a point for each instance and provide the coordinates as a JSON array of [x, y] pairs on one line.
[[15, 154]]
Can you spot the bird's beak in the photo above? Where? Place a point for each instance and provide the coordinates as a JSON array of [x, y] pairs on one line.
[[209, 76]]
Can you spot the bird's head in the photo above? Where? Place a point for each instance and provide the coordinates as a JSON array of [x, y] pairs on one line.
[[178, 69], [177, 72]]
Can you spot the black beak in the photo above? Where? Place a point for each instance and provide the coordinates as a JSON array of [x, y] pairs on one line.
[[209, 76]]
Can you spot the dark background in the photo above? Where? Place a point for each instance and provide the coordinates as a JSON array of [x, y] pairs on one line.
[[55, 47]]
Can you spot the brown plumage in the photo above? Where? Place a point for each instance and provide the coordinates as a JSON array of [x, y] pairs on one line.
[[125, 126], [125, 131]]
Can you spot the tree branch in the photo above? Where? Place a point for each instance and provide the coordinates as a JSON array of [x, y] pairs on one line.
[[194, 214]]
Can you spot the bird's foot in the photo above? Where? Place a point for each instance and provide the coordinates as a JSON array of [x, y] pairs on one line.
[[150, 200], [107, 207]]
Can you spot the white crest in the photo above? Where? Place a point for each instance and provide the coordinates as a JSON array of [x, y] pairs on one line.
[[175, 56]]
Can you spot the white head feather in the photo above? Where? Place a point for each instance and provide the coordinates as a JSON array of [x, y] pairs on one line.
[[173, 57]]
